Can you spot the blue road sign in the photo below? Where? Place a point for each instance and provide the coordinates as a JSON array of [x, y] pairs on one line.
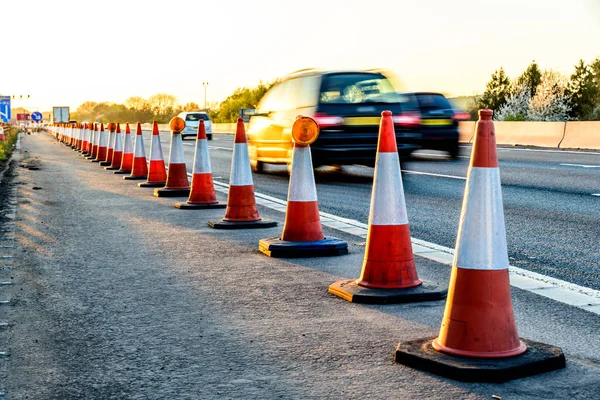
[[5, 108], [36, 116]]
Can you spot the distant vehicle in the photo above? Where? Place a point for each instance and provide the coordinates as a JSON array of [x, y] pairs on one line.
[[439, 122], [192, 119], [60, 115], [347, 105]]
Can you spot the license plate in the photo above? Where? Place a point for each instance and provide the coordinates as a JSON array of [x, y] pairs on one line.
[[436, 122], [362, 120]]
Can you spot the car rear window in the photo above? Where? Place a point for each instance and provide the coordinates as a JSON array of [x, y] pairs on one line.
[[196, 117], [357, 88], [431, 101]]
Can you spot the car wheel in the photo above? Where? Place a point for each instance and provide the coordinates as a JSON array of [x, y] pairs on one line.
[[453, 151]]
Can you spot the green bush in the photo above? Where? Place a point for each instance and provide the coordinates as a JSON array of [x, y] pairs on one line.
[[7, 145]]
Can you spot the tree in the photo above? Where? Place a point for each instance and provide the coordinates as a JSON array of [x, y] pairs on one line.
[[529, 79], [516, 107], [137, 103], [551, 102], [496, 92], [162, 105], [241, 98], [191, 106], [582, 91]]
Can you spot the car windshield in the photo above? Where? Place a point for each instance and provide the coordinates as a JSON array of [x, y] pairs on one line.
[[196, 117], [432, 101], [357, 88]]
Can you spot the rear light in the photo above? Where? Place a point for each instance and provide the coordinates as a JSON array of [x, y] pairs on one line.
[[461, 116], [407, 120], [328, 121]]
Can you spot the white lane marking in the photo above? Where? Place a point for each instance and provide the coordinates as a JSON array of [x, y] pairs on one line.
[[547, 151], [432, 174], [596, 194], [581, 165], [564, 292], [219, 148], [418, 153]]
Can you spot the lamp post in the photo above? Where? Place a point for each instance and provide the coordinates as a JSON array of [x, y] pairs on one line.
[[205, 84]]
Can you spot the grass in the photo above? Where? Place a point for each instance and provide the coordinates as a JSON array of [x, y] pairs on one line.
[[8, 144]]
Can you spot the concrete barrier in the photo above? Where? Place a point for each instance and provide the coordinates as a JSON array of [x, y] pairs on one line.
[[466, 131], [581, 135], [530, 133]]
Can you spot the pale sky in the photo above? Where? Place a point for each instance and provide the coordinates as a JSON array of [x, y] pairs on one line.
[[65, 52]]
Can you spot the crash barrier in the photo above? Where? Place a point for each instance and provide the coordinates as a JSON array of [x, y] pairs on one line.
[[581, 135], [478, 338], [563, 135]]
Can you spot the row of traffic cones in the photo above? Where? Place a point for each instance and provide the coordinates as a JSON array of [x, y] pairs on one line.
[[478, 338]]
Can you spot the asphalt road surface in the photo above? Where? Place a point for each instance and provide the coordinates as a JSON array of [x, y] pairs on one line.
[[116, 294]]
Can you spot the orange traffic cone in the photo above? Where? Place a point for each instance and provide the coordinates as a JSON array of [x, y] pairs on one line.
[[93, 145], [101, 152], [117, 154], [139, 167], [86, 139], [178, 183], [111, 145], [78, 138], [478, 340], [202, 192], [389, 274], [302, 234], [241, 209], [2, 137], [127, 158], [157, 173]]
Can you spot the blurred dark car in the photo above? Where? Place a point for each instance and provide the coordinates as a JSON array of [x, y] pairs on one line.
[[347, 105], [439, 121]]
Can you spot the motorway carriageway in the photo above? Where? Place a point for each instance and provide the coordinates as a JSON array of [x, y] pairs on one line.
[[551, 206]]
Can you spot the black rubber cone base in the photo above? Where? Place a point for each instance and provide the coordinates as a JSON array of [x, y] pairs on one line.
[[122, 172], [190, 206], [349, 290], [171, 192], [261, 223], [275, 247], [105, 163], [152, 184], [538, 358], [111, 168], [95, 160], [134, 178]]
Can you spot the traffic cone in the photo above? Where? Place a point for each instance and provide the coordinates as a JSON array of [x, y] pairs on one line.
[[389, 274], [101, 152], [202, 192], [78, 138], [178, 183], [139, 167], [117, 154], [2, 137], [302, 234], [157, 173], [86, 139], [241, 209], [111, 145], [478, 339], [127, 158], [93, 141]]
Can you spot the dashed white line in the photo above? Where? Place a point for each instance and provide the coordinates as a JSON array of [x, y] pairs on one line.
[[432, 174], [581, 165]]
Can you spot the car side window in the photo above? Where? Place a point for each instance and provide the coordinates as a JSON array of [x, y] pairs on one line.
[[308, 94], [271, 99]]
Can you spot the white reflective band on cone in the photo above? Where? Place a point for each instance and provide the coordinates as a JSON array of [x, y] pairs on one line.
[[156, 150], [481, 241], [302, 181], [202, 163], [176, 152], [241, 175], [139, 147], [128, 146], [387, 199], [102, 141]]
